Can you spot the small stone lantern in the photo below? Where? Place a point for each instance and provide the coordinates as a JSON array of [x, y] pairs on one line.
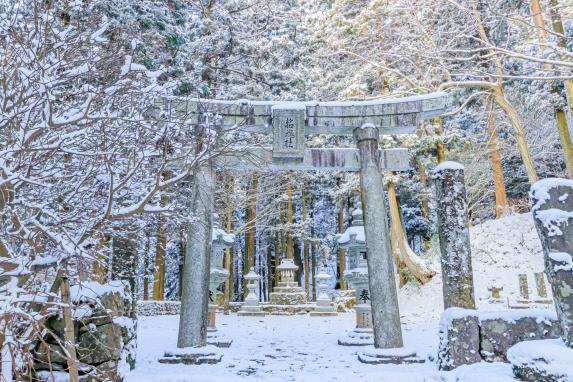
[[251, 305], [324, 306], [288, 292], [353, 240], [217, 275]]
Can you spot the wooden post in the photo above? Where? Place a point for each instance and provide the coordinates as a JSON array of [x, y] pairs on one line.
[[384, 297], [553, 215], [457, 275], [7, 364], [69, 336]]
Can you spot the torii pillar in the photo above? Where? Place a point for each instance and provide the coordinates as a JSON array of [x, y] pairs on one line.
[[383, 293]]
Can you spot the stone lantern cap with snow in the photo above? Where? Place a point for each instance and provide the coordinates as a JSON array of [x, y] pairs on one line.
[[252, 276]]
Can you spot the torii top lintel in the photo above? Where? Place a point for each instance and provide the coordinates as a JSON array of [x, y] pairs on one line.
[[391, 116]]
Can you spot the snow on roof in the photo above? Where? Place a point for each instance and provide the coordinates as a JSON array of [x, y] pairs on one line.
[[220, 234], [352, 235], [448, 165], [288, 264]]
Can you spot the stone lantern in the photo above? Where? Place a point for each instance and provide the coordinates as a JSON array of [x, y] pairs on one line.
[[324, 306], [288, 292], [353, 240], [218, 275], [251, 305]]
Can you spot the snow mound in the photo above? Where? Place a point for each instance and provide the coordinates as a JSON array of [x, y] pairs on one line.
[[501, 250]]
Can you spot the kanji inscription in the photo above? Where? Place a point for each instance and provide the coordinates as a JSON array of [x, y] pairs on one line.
[[288, 134]]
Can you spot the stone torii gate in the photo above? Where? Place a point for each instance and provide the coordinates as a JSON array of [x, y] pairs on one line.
[[289, 123]]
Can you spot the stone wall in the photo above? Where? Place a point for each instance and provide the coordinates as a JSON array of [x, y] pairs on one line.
[[468, 336], [105, 334]]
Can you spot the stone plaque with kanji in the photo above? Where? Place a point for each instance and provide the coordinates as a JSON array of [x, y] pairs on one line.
[[288, 134]]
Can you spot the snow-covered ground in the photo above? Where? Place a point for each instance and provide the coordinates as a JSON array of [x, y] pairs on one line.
[[303, 348], [295, 348]]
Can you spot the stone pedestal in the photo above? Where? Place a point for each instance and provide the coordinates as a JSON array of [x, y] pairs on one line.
[[192, 356], [251, 307], [459, 338], [324, 307], [363, 334], [288, 292], [390, 356], [217, 276]]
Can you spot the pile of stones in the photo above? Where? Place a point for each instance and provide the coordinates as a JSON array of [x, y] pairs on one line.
[[104, 331]]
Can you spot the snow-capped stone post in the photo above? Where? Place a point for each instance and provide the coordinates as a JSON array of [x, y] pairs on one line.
[[553, 215], [383, 298], [457, 275]]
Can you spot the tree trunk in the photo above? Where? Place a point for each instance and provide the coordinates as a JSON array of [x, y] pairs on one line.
[[100, 267], [517, 125], [229, 251], [305, 247], [341, 251], [538, 19], [69, 335], [440, 148], [417, 271], [289, 215], [560, 116], [277, 260], [146, 266], [160, 253], [251, 234], [313, 247], [195, 295], [501, 205]]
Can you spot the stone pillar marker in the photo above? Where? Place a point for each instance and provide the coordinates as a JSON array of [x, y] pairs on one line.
[[553, 215], [459, 325], [384, 298], [550, 360], [457, 276]]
